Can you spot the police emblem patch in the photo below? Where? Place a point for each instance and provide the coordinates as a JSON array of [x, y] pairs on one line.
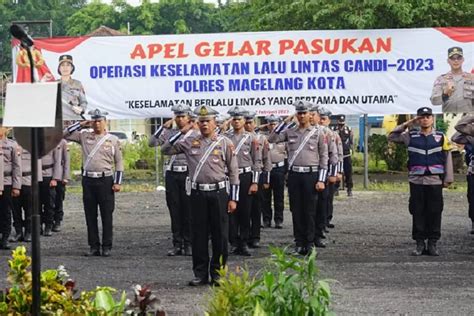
[[437, 138]]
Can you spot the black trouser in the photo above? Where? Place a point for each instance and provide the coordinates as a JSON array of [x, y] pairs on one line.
[[20, 203], [322, 211], [240, 219], [426, 206], [58, 203], [179, 208], [97, 192], [303, 200], [256, 210], [47, 199], [347, 165], [6, 211], [470, 195], [330, 208], [277, 187], [209, 216]]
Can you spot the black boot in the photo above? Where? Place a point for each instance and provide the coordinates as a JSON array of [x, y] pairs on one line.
[[472, 228], [47, 231], [27, 237], [4, 242], [244, 251], [18, 236], [56, 227], [420, 248], [432, 250]]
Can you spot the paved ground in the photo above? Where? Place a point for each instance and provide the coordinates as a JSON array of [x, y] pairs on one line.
[[368, 256]]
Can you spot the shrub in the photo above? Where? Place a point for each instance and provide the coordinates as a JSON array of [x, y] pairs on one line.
[[288, 285]]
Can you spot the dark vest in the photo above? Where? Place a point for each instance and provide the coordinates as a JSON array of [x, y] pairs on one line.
[[345, 134], [425, 154]]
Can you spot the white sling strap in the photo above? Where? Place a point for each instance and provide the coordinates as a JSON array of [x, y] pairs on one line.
[[205, 156], [94, 150], [241, 143], [300, 147]]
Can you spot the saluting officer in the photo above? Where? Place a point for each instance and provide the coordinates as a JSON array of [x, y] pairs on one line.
[[307, 164], [11, 183], [51, 166], [347, 138], [249, 161], [326, 197], [175, 177], [212, 196], [465, 136], [263, 182], [429, 169], [23, 202], [74, 102], [101, 152], [277, 179], [63, 180], [455, 89]]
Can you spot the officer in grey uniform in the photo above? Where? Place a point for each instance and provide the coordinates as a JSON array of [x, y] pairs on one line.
[[11, 183], [51, 166], [465, 136], [277, 179], [213, 194], [72, 92], [455, 89], [263, 182], [176, 173], [61, 185], [249, 161], [307, 164], [23, 202], [101, 152]]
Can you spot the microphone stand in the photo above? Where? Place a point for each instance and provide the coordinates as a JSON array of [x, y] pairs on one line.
[[35, 217]]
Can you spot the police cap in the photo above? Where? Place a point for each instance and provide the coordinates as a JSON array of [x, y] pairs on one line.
[[424, 111], [455, 51], [250, 115], [237, 112], [273, 119], [98, 114], [324, 111], [205, 112], [180, 109], [302, 106]]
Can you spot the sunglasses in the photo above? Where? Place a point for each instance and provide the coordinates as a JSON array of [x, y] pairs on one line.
[[454, 58]]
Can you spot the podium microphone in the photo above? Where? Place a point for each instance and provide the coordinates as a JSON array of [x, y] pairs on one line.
[[20, 34]]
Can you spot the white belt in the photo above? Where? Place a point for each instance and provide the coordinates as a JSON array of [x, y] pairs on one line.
[[92, 174], [179, 168], [245, 170], [208, 186], [278, 164], [304, 169]]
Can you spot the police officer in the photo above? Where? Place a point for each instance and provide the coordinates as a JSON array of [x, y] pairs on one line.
[[11, 183], [277, 179], [465, 136], [23, 202], [263, 182], [73, 96], [51, 166], [455, 89], [65, 162], [326, 197], [101, 152], [249, 162], [430, 168], [307, 164], [347, 138], [208, 156], [176, 173]]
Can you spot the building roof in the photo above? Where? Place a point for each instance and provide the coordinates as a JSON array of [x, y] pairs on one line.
[[105, 31]]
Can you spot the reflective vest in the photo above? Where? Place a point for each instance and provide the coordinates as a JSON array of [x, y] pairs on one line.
[[425, 154]]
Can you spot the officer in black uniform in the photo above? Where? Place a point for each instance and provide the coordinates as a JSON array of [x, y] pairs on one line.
[[430, 168], [101, 152], [347, 138], [209, 156], [176, 173]]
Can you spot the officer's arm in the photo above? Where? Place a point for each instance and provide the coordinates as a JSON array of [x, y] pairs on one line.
[[256, 152], [159, 137], [267, 161], [278, 135], [437, 92], [1, 174], [323, 157], [16, 168], [118, 160], [57, 167], [448, 168], [73, 132], [466, 125], [173, 146], [399, 135], [233, 170], [82, 98], [340, 154], [66, 157]]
